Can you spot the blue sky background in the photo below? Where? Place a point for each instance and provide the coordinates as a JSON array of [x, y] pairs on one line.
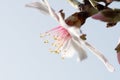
[[23, 56]]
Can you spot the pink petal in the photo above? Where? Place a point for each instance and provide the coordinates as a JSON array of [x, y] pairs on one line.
[[100, 16], [109, 1]]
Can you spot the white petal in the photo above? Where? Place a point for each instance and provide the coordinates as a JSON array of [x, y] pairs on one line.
[[39, 5], [109, 67], [51, 11], [99, 55], [45, 8], [79, 49], [69, 53]]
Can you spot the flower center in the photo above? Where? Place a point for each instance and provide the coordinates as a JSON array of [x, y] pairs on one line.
[[58, 36]]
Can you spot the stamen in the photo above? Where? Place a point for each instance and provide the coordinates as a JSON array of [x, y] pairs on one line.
[[60, 37], [57, 51], [46, 41]]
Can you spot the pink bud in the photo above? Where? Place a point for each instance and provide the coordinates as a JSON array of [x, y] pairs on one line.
[[100, 16]]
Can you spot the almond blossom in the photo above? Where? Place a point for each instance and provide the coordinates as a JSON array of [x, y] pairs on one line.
[[63, 43], [68, 41]]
